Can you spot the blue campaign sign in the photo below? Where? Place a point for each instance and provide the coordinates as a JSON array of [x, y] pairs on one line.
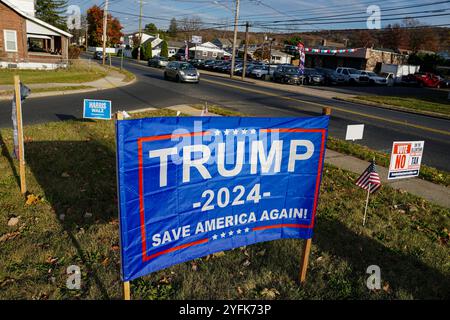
[[192, 186], [97, 109]]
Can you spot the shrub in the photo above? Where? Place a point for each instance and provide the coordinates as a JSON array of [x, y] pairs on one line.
[[74, 52]]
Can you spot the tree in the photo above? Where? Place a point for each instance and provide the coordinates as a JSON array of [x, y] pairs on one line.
[[393, 37], [362, 39], [164, 49], [52, 12], [150, 28], [173, 28], [95, 28]]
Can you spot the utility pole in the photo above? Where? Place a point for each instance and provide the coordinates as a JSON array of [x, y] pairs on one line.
[[105, 25], [140, 31], [233, 57], [244, 67]]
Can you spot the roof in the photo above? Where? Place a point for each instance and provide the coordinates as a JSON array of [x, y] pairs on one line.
[[35, 20], [280, 54]]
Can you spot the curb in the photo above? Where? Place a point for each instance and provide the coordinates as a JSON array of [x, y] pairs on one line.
[[396, 108]]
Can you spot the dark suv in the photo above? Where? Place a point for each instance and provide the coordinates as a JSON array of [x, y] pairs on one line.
[[287, 74]]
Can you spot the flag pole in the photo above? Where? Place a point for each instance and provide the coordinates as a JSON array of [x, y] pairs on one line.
[[367, 203]]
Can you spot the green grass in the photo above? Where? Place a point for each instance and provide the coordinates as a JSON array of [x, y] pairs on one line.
[[71, 170], [436, 105], [78, 72], [50, 89]]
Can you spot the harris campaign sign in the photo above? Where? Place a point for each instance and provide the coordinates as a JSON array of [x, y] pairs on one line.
[[192, 186]]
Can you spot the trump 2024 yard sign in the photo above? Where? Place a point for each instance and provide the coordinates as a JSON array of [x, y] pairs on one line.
[[192, 186]]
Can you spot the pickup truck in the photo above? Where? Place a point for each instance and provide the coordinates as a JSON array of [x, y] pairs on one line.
[[352, 76]]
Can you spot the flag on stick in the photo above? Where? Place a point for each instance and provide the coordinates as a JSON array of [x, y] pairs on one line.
[[370, 181]]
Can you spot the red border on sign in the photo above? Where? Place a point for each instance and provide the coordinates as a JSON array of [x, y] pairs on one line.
[[145, 257]]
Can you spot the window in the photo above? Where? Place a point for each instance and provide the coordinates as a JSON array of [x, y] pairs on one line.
[[214, 54], [10, 37], [204, 53]]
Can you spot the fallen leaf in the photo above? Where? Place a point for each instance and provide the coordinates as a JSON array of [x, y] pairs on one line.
[[31, 199], [386, 287], [115, 247], [246, 263], [261, 253], [65, 175], [269, 293], [9, 236], [194, 266], [13, 221], [218, 254], [240, 291], [105, 262]]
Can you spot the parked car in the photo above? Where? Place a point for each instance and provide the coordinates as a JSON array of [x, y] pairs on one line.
[[198, 63], [208, 64], [285, 74], [262, 71], [374, 78], [331, 76], [181, 72], [353, 76], [428, 80], [98, 55], [409, 80], [312, 76], [158, 62], [445, 82]]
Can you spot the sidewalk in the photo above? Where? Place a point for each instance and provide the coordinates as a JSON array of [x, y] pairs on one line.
[[113, 79], [429, 191]]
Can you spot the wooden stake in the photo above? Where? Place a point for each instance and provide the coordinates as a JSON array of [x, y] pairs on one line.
[[126, 290], [326, 111], [23, 183], [126, 284]]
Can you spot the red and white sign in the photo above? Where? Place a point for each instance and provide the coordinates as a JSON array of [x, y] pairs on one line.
[[406, 157]]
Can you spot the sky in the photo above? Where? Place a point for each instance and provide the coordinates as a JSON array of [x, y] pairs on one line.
[[274, 15]]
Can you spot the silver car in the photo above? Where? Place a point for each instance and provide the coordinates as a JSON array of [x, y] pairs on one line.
[[181, 72]]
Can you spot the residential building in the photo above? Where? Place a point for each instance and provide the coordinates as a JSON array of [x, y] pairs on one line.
[[207, 50], [279, 57], [27, 42]]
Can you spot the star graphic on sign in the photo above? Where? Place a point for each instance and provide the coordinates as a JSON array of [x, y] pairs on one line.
[[246, 229], [223, 234], [231, 233], [252, 131], [235, 131], [226, 131], [244, 131], [214, 237], [238, 231], [217, 132]]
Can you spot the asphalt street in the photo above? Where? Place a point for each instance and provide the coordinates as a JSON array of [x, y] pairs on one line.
[[382, 126]]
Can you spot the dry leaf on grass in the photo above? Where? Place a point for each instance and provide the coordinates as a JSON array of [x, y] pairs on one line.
[[31, 199], [269, 293]]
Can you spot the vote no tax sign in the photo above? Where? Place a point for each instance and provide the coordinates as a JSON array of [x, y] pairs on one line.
[[406, 157], [192, 186]]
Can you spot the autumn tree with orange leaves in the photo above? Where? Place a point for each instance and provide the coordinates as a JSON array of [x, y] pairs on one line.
[[95, 28]]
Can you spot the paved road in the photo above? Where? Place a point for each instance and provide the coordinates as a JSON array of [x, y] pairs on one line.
[[382, 126]]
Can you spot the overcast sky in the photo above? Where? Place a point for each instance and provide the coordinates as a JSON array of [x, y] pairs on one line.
[[271, 15]]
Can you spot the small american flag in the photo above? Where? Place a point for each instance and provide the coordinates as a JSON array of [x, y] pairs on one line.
[[370, 178]]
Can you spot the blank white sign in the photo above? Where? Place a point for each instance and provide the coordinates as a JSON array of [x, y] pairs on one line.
[[354, 132]]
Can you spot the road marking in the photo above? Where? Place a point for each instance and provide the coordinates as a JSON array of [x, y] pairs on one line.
[[334, 107]]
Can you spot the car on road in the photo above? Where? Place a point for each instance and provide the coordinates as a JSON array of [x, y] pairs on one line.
[[353, 76], [158, 62], [181, 71], [374, 78], [287, 74], [98, 55]]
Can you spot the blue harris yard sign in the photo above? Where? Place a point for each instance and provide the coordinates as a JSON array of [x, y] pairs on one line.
[[192, 186], [97, 109]]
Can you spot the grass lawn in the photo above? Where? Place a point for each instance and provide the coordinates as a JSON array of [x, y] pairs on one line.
[[79, 71], [70, 218], [428, 105], [37, 90]]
